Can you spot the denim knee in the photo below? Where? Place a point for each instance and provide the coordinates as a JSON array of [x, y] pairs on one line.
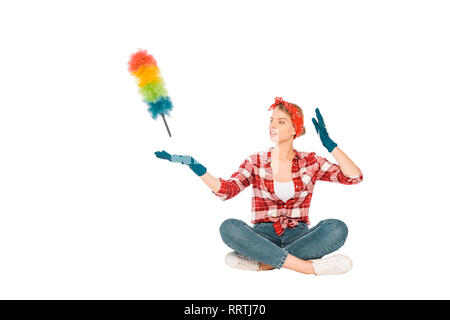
[[228, 229], [337, 228]]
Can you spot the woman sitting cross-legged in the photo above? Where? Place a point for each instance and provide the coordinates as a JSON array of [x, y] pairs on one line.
[[283, 181]]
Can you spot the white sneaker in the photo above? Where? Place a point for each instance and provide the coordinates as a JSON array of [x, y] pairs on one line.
[[238, 261], [337, 264]]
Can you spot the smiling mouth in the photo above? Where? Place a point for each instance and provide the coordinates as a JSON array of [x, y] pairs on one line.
[[272, 133]]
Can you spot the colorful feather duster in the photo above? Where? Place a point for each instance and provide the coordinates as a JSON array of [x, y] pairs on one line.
[[151, 85]]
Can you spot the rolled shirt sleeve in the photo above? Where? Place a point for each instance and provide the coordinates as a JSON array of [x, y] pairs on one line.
[[332, 172], [238, 181]]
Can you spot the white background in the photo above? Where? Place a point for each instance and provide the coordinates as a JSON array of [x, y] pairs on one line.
[[88, 212]]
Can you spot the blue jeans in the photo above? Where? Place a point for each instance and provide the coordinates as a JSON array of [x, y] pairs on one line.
[[261, 243]]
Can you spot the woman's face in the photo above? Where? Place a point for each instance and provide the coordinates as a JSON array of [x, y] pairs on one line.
[[280, 126]]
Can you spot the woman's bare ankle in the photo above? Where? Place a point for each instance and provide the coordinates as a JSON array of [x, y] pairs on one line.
[[299, 265]]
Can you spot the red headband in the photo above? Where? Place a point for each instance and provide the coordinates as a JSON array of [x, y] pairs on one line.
[[296, 116]]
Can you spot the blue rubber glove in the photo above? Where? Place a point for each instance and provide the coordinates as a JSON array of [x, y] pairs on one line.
[[195, 166], [322, 131]]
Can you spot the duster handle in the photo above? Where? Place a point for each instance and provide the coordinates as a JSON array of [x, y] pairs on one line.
[[166, 124]]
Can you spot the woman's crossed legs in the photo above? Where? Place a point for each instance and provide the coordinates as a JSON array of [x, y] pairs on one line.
[[262, 244]]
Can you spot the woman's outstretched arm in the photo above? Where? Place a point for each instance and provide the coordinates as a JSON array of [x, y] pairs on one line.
[[224, 189], [347, 166]]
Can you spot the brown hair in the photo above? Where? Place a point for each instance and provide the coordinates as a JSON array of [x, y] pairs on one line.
[[283, 108]]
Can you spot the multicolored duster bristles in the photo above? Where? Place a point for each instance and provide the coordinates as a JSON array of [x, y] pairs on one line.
[[151, 85]]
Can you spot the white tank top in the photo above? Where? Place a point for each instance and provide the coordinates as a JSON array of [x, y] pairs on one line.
[[284, 190]]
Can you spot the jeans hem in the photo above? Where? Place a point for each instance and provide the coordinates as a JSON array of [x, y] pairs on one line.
[[283, 259]]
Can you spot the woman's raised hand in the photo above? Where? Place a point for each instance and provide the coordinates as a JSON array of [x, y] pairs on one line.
[[322, 132]]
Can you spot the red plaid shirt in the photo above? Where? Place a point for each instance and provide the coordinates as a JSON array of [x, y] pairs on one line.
[[307, 168]]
